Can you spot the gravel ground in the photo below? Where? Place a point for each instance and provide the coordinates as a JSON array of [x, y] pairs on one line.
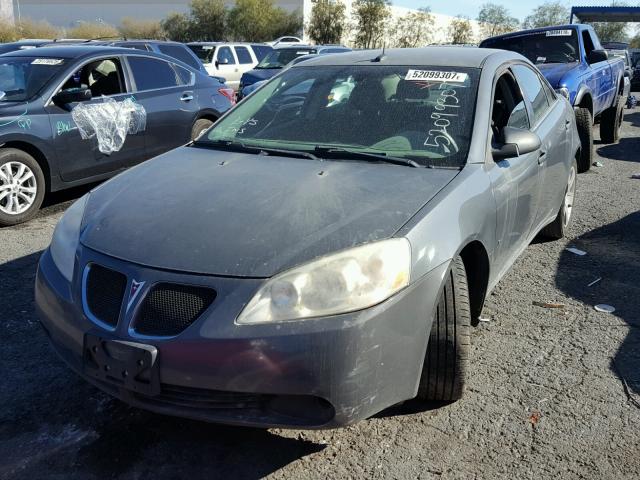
[[554, 393]]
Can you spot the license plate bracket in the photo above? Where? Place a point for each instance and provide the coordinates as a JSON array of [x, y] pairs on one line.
[[129, 365]]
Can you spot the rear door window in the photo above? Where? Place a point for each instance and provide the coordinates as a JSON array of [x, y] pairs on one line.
[[151, 73], [244, 57]]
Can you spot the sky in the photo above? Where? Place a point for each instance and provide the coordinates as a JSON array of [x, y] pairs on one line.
[[470, 8]]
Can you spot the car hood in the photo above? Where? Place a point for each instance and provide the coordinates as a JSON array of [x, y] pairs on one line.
[[555, 72], [234, 214], [258, 74]]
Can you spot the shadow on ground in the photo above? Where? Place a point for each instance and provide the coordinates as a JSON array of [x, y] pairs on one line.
[[52, 423], [613, 254]]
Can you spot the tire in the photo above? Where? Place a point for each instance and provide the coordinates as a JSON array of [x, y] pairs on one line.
[[585, 131], [447, 358], [611, 121], [558, 228], [20, 197], [200, 126]]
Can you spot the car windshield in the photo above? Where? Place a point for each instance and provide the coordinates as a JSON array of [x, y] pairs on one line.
[[21, 78], [279, 58], [550, 46], [419, 113]]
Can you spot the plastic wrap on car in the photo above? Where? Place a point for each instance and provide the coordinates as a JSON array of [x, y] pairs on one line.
[[110, 122]]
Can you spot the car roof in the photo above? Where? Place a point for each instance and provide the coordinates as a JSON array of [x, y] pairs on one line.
[[75, 51], [432, 56]]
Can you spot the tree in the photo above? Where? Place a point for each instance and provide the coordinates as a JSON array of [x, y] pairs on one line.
[[328, 21], [635, 41], [285, 24], [177, 27], [547, 14], [460, 30], [207, 20], [93, 30], [147, 29], [412, 30], [496, 20], [611, 31], [27, 28], [261, 20], [370, 17]]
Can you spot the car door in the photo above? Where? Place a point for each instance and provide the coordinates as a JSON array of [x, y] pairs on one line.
[[246, 60], [227, 66], [85, 157], [600, 81], [166, 91], [551, 124], [514, 180]]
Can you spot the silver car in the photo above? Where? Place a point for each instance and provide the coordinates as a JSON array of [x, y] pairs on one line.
[[319, 258]]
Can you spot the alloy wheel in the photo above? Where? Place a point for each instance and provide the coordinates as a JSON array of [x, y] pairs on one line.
[[18, 188]]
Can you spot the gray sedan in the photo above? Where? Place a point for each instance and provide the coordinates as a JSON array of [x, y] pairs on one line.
[[313, 258]]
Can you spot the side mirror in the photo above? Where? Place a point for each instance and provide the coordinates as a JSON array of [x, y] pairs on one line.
[[72, 95], [597, 56], [516, 142]]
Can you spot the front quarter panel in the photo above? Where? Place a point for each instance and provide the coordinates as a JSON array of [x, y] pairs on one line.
[[462, 212]]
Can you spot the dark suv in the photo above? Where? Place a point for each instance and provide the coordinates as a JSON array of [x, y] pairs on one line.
[[73, 115]]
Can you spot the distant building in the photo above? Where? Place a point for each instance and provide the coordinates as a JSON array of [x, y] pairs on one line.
[[68, 13]]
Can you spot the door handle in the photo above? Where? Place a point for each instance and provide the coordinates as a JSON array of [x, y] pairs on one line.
[[567, 122], [542, 157], [186, 97]]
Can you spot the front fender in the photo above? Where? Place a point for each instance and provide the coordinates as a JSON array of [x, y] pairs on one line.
[[583, 92], [461, 212]]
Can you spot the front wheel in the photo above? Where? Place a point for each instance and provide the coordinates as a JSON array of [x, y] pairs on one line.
[[447, 358], [558, 228], [22, 186]]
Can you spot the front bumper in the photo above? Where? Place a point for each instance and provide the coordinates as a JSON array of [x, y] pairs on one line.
[[320, 373]]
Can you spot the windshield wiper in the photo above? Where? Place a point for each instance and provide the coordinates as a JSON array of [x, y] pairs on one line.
[[256, 150], [337, 153]]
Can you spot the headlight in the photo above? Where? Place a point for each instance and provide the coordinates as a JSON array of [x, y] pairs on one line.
[[342, 282], [564, 92], [66, 237]]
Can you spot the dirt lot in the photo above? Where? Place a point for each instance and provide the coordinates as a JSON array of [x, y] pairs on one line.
[[554, 393]]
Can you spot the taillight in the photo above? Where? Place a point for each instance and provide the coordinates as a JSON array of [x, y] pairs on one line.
[[229, 93]]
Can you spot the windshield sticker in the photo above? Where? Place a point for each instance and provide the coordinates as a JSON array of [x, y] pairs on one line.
[[207, 47], [301, 53], [436, 76], [541, 59], [47, 61], [559, 33]]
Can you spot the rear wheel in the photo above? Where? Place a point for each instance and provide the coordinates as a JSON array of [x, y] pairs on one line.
[[22, 186], [199, 127], [585, 131], [558, 228], [446, 362], [611, 121]]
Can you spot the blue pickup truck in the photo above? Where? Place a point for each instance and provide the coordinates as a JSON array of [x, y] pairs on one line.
[[577, 67]]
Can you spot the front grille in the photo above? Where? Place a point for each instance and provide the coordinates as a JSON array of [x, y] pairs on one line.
[[104, 291], [170, 308], [199, 398]]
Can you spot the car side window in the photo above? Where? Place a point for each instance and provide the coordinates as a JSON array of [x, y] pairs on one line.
[[151, 73], [103, 77], [261, 51], [244, 57], [533, 89], [186, 76], [225, 57], [508, 108], [587, 42]]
